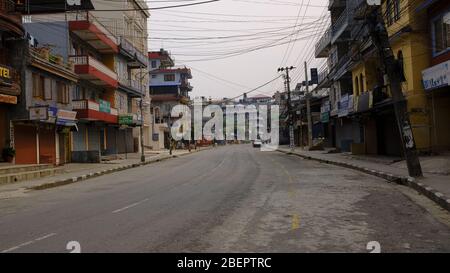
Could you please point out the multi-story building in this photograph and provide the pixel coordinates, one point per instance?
(127, 20)
(11, 34)
(407, 30)
(336, 74)
(369, 105)
(169, 86)
(111, 90)
(436, 77)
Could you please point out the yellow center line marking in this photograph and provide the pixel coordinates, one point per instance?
(295, 222)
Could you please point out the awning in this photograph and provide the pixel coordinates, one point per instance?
(425, 5)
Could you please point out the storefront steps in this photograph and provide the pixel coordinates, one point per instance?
(17, 173)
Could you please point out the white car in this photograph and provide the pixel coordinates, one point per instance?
(257, 143)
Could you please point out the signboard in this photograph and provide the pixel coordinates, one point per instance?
(351, 105)
(325, 112)
(343, 106)
(126, 120)
(8, 99)
(39, 113)
(314, 76)
(436, 76)
(105, 106)
(66, 115)
(66, 118)
(325, 117)
(363, 103)
(5, 74)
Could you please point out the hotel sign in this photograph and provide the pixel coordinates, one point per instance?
(8, 99)
(436, 76)
(5, 74)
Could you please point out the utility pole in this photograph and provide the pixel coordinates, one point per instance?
(141, 106)
(308, 109)
(380, 39)
(290, 119)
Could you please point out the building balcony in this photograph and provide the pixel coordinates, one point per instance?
(136, 58)
(10, 20)
(186, 85)
(133, 87)
(92, 111)
(42, 58)
(88, 68)
(89, 29)
(332, 4)
(322, 47)
(341, 26)
(9, 81)
(361, 9)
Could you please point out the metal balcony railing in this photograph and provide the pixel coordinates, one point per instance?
(323, 43)
(91, 105)
(85, 105)
(133, 51)
(89, 17)
(88, 60)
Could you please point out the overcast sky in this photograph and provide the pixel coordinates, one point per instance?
(201, 36)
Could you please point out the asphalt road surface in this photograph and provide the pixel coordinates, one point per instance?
(228, 199)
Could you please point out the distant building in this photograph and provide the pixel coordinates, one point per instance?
(169, 86)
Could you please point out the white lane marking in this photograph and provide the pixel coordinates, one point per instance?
(29, 243)
(131, 206)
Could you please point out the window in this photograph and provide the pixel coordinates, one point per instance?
(153, 64)
(357, 86)
(38, 86)
(392, 11)
(169, 78)
(63, 94)
(48, 89)
(441, 34)
(154, 76)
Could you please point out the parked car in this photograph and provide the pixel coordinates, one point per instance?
(257, 143)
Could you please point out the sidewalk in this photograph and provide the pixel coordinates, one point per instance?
(76, 172)
(435, 184)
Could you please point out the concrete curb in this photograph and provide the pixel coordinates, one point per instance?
(84, 177)
(429, 192)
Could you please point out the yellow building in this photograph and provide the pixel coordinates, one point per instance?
(407, 29)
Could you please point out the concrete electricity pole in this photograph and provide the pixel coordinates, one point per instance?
(290, 117)
(308, 108)
(380, 39)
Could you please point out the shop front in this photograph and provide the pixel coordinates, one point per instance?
(9, 90)
(436, 84)
(44, 138)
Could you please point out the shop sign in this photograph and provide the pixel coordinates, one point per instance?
(364, 102)
(126, 120)
(8, 99)
(5, 74)
(66, 118)
(351, 106)
(105, 106)
(66, 115)
(436, 76)
(343, 106)
(325, 117)
(39, 113)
